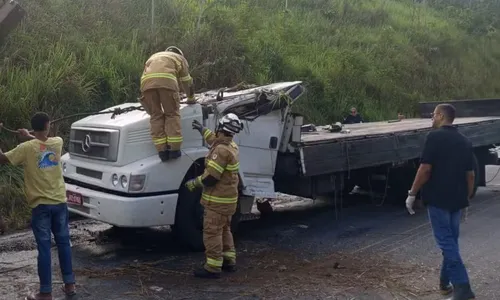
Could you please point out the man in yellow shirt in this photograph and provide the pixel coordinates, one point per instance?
(46, 195)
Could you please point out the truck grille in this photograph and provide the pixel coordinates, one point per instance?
(94, 143)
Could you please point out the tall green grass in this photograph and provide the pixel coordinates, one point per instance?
(382, 56)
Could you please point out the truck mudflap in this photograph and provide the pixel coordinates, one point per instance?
(11, 14)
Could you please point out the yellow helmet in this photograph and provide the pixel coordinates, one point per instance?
(175, 50)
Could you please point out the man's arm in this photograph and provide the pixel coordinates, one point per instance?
(471, 178)
(469, 168)
(216, 165)
(15, 156)
(208, 135)
(3, 159)
(25, 135)
(186, 79)
(424, 170)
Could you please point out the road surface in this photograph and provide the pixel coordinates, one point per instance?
(368, 251)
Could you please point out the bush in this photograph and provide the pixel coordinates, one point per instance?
(382, 56)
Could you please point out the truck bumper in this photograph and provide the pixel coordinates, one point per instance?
(124, 211)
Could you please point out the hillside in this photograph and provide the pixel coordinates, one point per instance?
(382, 56)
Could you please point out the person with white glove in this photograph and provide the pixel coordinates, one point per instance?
(410, 201)
(446, 177)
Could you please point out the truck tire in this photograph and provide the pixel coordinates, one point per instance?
(188, 226)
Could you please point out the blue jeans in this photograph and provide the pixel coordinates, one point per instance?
(446, 228)
(44, 220)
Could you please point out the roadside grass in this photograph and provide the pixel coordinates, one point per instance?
(13, 208)
(382, 56)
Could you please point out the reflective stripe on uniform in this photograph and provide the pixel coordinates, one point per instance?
(233, 167)
(220, 169)
(186, 78)
(174, 139)
(214, 262)
(159, 141)
(215, 199)
(215, 166)
(229, 254)
(157, 75)
(207, 133)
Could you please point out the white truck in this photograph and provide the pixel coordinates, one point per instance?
(113, 173)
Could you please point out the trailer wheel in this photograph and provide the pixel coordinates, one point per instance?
(188, 226)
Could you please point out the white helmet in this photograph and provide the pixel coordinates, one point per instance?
(175, 50)
(230, 123)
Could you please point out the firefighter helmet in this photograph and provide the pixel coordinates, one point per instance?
(230, 123)
(175, 50)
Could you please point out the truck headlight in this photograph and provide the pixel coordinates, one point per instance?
(64, 167)
(124, 181)
(137, 183)
(114, 179)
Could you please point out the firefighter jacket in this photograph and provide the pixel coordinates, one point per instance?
(222, 163)
(166, 70)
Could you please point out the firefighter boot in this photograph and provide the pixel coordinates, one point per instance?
(228, 267)
(164, 155)
(173, 154)
(203, 273)
(462, 292)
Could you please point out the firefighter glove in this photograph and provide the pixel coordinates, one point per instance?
(197, 126)
(191, 185)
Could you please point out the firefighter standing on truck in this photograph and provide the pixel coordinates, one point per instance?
(220, 195)
(165, 74)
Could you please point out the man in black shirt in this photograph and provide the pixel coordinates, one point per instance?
(353, 118)
(446, 176)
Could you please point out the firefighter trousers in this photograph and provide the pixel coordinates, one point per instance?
(218, 241)
(162, 105)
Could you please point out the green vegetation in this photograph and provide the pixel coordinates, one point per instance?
(382, 56)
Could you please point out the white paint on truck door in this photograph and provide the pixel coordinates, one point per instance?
(259, 144)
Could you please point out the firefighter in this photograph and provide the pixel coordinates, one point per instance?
(165, 74)
(220, 195)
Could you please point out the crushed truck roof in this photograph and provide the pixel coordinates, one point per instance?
(249, 103)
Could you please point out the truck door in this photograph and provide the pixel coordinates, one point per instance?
(259, 142)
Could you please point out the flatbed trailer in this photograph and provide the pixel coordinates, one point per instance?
(325, 161)
(371, 144)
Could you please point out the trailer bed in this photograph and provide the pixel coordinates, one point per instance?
(379, 143)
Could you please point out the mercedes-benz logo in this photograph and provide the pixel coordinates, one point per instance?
(87, 143)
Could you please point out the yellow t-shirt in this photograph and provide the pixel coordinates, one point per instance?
(43, 179)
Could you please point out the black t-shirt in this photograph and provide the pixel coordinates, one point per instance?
(350, 119)
(451, 155)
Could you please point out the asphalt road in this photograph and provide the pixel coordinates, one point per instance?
(367, 251)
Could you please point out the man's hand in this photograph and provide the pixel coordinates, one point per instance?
(410, 201)
(197, 126)
(191, 185)
(464, 215)
(24, 132)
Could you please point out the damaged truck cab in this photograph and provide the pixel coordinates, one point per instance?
(113, 173)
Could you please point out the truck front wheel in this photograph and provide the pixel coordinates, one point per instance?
(188, 226)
